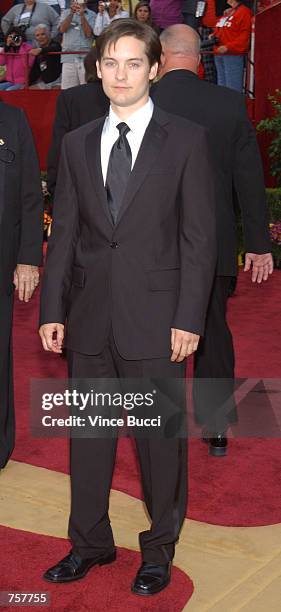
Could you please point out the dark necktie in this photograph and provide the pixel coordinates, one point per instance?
(118, 171)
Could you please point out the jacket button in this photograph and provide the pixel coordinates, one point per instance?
(114, 245)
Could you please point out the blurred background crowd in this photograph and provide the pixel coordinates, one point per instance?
(43, 43)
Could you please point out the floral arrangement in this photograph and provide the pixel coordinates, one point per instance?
(275, 237)
(275, 232)
(272, 125)
(47, 207)
(47, 223)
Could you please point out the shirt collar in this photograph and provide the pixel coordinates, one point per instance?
(180, 70)
(137, 121)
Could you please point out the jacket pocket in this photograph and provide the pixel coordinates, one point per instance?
(166, 279)
(78, 276)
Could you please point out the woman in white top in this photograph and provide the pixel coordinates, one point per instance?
(106, 15)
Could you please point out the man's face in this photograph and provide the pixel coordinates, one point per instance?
(42, 37)
(125, 73)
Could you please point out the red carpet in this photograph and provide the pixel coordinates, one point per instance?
(254, 317)
(27, 556)
(242, 489)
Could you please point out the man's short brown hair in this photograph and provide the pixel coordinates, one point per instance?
(130, 27)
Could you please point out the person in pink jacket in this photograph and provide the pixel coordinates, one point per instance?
(17, 56)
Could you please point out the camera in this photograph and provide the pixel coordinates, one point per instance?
(16, 38)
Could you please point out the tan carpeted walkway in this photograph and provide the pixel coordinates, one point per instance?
(232, 568)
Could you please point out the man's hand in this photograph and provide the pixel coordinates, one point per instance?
(222, 49)
(262, 266)
(52, 335)
(183, 344)
(36, 51)
(26, 279)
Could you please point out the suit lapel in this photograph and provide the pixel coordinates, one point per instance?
(93, 156)
(151, 146)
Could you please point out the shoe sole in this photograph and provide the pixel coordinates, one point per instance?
(213, 450)
(105, 561)
(217, 452)
(136, 592)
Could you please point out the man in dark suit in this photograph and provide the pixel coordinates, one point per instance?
(21, 236)
(236, 156)
(130, 266)
(75, 107)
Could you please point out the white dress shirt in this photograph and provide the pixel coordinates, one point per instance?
(137, 122)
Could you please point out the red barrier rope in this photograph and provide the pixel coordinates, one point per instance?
(26, 55)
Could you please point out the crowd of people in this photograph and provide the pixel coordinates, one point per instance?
(44, 42)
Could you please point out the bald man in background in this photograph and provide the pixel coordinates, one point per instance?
(238, 164)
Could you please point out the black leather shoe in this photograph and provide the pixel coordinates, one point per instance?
(151, 578)
(217, 443)
(72, 567)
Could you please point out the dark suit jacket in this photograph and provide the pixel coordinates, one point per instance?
(21, 203)
(235, 153)
(154, 269)
(75, 107)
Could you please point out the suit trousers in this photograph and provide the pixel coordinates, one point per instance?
(163, 466)
(213, 384)
(7, 418)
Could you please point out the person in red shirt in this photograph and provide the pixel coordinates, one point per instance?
(232, 35)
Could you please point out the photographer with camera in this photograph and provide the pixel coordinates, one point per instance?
(28, 15)
(16, 56)
(108, 12)
(77, 24)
